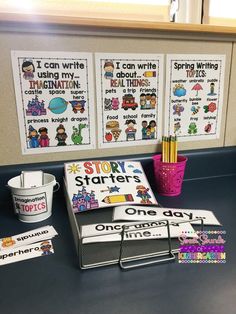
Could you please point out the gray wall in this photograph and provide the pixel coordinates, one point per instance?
(97, 41)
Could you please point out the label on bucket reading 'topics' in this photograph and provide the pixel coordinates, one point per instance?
(30, 205)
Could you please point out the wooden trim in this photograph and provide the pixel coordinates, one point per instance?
(222, 21)
(116, 24)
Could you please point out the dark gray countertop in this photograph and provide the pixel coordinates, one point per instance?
(55, 284)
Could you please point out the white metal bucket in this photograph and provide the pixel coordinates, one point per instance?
(33, 204)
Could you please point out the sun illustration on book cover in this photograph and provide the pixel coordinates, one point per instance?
(74, 168)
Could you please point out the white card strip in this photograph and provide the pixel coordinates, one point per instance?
(26, 252)
(136, 213)
(39, 234)
(109, 232)
(32, 178)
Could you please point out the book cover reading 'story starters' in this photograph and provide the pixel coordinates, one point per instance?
(96, 184)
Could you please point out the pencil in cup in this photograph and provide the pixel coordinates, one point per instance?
(165, 149)
(169, 176)
(173, 149)
(169, 149)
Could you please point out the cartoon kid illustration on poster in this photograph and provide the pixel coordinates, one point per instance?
(148, 130)
(33, 137)
(43, 138)
(108, 68)
(144, 129)
(152, 125)
(61, 135)
(28, 69)
(130, 130)
(148, 101)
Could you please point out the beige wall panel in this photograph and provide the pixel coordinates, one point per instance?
(230, 132)
(9, 132)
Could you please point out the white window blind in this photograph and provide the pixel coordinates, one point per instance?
(140, 10)
(220, 12)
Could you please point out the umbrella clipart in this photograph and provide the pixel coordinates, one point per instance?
(197, 87)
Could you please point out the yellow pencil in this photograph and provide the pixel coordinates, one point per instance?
(163, 148)
(165, 145)
(171, 149)
(175, 149)
(167, 149)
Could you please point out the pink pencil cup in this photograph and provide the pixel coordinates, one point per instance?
(169, 176)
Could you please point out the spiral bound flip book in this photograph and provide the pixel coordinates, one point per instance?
(97, 184)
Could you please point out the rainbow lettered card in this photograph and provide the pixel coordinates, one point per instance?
(95, 184)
